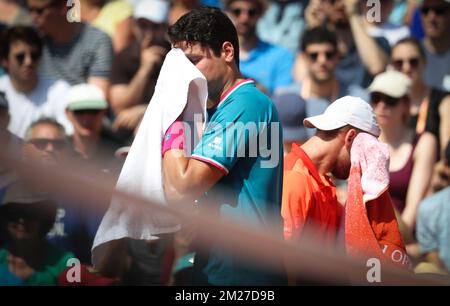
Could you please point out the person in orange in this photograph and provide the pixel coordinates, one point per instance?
(309, 199)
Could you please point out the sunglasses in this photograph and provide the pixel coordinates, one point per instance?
(251, 12)
(438, 10)
(42, 143)
(376, 98)
(87, 111)
(413, 62)
(315, 55)
(20, 57)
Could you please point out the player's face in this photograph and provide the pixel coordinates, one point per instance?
(213, 67)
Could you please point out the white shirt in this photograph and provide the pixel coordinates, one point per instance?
(46, 100)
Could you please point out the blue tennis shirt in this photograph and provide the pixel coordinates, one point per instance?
(243, 138)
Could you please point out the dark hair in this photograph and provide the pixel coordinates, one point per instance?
(13, 34)
(208, 26)
(318, 35)
(412, 41)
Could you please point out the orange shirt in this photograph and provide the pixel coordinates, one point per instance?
(309, 199)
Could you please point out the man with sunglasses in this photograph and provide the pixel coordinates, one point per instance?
(73, 228)
(30, 96)
(270, 65)
(362, 56)
(86, 108)
(45, 142)
(321, 86)
(436, 24)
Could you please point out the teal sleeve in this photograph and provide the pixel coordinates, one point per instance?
(226, 139)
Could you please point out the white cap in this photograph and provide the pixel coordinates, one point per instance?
(156, 11)
(347, 110)
(85, 97)
(392, 83)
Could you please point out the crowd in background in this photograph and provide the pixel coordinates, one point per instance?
(75, 82)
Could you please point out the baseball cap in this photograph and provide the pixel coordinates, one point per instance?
(291, 112)
(156, 11)
(347, 110)
(392, 83)
(85, 97)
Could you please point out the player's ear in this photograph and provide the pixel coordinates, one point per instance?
(349, 137)
(228, 51)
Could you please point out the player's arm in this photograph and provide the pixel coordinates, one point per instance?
(187, 178)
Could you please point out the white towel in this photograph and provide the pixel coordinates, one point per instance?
(180, 86)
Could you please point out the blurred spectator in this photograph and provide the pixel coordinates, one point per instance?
(180, 7)
(291, 111)
(86, 109)
(30, 96)
(74, 228)
(433, 222)
(45, 142)
(438, 119)
(412, 155)
(383, 27)
(283, 23)
(408, 57)
(320, 87)
(270, 65)
(112, 17)
(73, 51)
(436, 22)
(28, 259)
(362, 56)
(12, 13)
(136, 69)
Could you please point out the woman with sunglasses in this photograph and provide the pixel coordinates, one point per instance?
(412, 155)
(408, 57)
